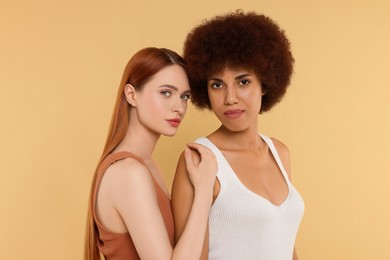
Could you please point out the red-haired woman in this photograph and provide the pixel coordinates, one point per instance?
(240, 65)
(129, 215)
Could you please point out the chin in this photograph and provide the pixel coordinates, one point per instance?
(169, 133)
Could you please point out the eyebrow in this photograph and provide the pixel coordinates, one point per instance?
(186, 92)
(238, 77)
(169, 86)
(174, 88)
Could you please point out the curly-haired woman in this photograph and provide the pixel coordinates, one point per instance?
(240, 65)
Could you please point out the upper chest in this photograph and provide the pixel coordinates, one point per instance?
(259, 167)
(257, 172)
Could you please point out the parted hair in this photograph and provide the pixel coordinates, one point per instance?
(239, 40)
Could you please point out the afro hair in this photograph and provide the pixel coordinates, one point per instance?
(239, 40)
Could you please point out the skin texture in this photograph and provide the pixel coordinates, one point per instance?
(119, 207)
(235, 96)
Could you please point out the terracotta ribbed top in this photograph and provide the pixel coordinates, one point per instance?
(119, 246)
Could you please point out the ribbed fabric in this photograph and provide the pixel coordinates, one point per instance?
(244, 225)
(119, 246)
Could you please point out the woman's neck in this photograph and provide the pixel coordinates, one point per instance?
(225, 139)
(140, 141)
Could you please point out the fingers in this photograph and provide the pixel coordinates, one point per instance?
(203, 157)
(201, 165)
(202, 150)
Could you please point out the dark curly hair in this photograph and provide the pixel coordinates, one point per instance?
(239, 40)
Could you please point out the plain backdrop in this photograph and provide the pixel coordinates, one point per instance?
(60, 66)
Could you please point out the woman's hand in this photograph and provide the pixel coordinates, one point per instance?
(201, 165)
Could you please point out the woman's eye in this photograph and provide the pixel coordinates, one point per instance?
(166, 93)
(244, 82)
(216, 85)
(186, 97)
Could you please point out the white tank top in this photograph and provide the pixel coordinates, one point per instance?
(244, 225)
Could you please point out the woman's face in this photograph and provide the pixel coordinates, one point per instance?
(162, 102)
(235, 97)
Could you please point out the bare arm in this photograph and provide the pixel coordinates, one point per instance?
(183, 194)
(193, 231)
(142, 216)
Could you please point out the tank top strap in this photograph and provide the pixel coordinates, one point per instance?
(225, 174)
(114, 157)
(275, 154)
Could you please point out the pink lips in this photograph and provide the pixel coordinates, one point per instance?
(175, 122)
(233, 114)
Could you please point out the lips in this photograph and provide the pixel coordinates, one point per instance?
(175, 122)
(233, 114)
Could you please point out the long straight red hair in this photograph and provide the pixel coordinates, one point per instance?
(140, 68)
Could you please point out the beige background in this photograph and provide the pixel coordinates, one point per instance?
(60, 65)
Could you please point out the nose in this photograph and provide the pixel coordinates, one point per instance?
(231, 95)
(179, 107)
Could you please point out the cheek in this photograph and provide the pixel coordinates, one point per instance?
(151, 107)
(156, 102)
(252, 93)
(215, 99)
(214, 104)
(252, 97)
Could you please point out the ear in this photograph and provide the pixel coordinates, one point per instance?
(130, 94)
(263, 91)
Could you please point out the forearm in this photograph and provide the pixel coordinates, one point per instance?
(191, 241)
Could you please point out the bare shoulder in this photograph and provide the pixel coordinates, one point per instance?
(127, 168)
(195, 156)
(181, 174)
(284, 154)
(123, 183)
(126, 174)
(181, 165)
(133, 202)
(282, 149)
